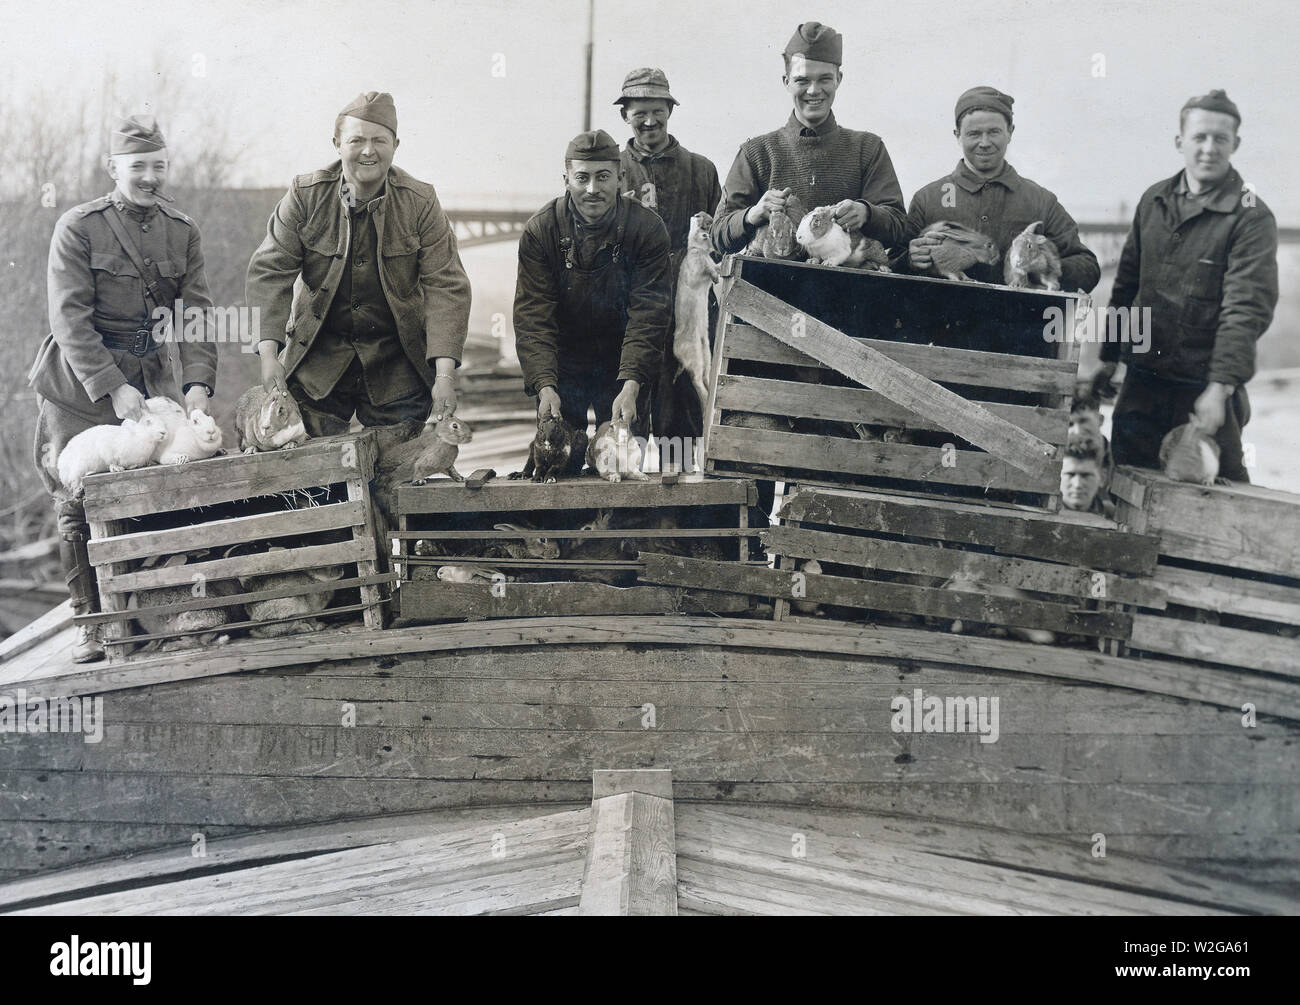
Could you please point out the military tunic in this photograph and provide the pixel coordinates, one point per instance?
(93, 287)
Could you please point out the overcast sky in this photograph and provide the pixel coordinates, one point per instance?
(279, 71)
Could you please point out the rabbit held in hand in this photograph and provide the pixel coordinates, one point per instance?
(959, 249)
(1032, 260)
(441, 449)
(828, 243)
(268, 420)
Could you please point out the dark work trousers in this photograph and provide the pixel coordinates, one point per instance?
(587, 383)
(332, 414)
(1149, 406)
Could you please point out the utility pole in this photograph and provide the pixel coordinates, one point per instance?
(591, 45)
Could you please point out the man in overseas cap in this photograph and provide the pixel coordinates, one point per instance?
(1202, 256)
(986, 194)
(667, 178)
(811, 156)
(379, 328)
(591, 299)
(117, 266)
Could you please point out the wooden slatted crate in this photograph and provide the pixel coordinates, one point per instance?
(1229, 568)
(589, 567)
(955, 386)
(311, 503)
(892, 555)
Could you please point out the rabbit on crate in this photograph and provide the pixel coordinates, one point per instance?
(828, 243)
(1033, 261)
(268, 420)
(557, 451)
(211, 619)
(110, 448)
(775, 237)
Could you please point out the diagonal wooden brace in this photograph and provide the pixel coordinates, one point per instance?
(895, 381)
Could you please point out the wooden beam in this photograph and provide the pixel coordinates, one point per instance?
(631, 846)
(899, 383)
(48, 624)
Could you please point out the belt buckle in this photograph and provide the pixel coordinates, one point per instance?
(141, 345)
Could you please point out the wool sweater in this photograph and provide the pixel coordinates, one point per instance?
(823, 166)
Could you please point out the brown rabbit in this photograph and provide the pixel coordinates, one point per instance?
(776, 237)
(1032, 260)
(439, 454)
(960, 249)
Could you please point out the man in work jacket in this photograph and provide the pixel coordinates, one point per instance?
(382, 323)
(666, 177)
(114, 263)
(592, 295)
(986, 194)
(1202, 256)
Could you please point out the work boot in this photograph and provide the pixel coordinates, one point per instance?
(80, 577)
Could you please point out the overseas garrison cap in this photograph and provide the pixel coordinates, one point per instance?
(814, 40)
(136, 134)
(647, 82)
(984, 97)
(373, 106)
(1216, 101)
(595, 145)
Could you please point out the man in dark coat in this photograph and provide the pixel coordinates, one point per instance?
(379, 328)
(986, 194)
(666, 177)
(1202, 256)
(103, 356)
(592, 296)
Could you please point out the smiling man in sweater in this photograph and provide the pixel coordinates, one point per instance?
(811, 156)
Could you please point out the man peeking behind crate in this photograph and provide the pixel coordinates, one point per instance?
(117, 265)
(1202, 259)
(381, 327)
(988, 195)
(592, 297)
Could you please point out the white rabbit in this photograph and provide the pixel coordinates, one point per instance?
(110, 448)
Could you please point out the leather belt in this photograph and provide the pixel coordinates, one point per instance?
(140, 343)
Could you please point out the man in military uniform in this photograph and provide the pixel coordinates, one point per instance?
(591, 300)
(811, 156)
(1202, 255)
(379, 328)
(112, 262)
(666, 177)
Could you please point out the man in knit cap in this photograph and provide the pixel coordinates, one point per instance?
(379, 328)
(592, 296)
(1202, 255)
(986, 194)
(667, 178)
(113, 263)
(811, 157)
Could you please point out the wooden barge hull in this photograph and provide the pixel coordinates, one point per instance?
(1149, 761)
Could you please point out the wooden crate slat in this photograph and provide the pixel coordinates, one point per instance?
(1238, 526)
(1060, 537)
(877, 596)
(942, 563)
(424, 599)
(1216, 644)
(874, 369)
(906, 462)
(1228, 594)
(260, 527)
(938, 363)
(236, 626)
(239, 598)
(500, 495)
(288, 560)
(564, 535)
(164, 488)
(854, 404)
